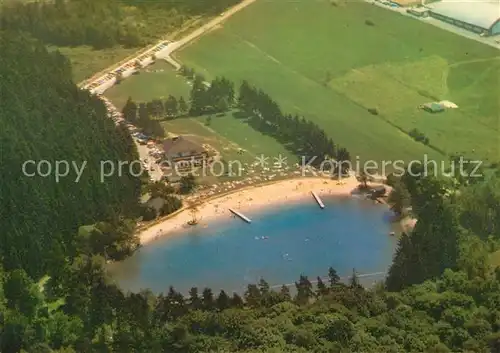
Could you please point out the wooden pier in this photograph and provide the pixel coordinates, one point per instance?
(242, 216)
(318, 200)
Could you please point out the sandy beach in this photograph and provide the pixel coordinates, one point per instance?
(257, 196)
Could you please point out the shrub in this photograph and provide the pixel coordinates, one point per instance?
(148, 214)
(418, 136)
(369, 23)
(373, 111)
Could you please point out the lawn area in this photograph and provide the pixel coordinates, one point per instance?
(156, 81)
(325, 63)
(85, 61)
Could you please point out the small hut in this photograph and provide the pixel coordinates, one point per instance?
(433, 107)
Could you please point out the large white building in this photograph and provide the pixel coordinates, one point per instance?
(480, 16)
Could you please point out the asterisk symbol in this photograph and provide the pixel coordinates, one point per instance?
(262, 160)
(280, 161)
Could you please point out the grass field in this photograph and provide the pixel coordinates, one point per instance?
(324, 62)
(221, 134)
(156, 81)
(225, 133)
(228, 134)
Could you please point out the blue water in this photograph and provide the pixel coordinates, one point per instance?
(302, 239)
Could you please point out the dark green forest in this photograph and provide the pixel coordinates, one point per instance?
(300, 136)
(102, 23)
(45, 117)
(442, 293)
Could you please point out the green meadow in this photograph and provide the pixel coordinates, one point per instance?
(232, 137)
(156, 81)
(325, 62)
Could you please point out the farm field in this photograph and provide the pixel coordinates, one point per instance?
(333, 63)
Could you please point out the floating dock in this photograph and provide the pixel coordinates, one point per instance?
(242, 216)
(318, 200)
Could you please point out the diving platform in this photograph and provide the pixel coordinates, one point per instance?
(318, 200)
(241, 215)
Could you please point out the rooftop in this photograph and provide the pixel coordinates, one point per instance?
(182, 145)
(475, 12)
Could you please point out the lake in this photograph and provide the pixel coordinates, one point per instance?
(282, 242)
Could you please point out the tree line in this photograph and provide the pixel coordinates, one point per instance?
(101, 24)
(449, 314)
(303, 137)
(458, 225)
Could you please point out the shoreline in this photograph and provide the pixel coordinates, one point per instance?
(247, 199)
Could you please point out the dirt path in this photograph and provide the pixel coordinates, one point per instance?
(473, 61)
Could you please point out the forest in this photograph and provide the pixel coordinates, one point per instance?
(442, 293)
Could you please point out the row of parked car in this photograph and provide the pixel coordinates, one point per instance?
(113, 112)
(127, 66)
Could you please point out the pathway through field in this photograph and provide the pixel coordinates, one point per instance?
(481, 60)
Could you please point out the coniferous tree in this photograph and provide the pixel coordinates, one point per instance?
(194, 298)
(402, 268)
(354, 280)
(433, 244)
(198, 96)
(399, 198)
(208, 299)
(223, 301)
(158, 109)
(264, 287)
(183, 107)
(333, 277)
(143, 115)
(130, 111)
(304, 290)
(236, 301)
(285, 293)
(171, 106)
(321, 288)
(253, 296)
